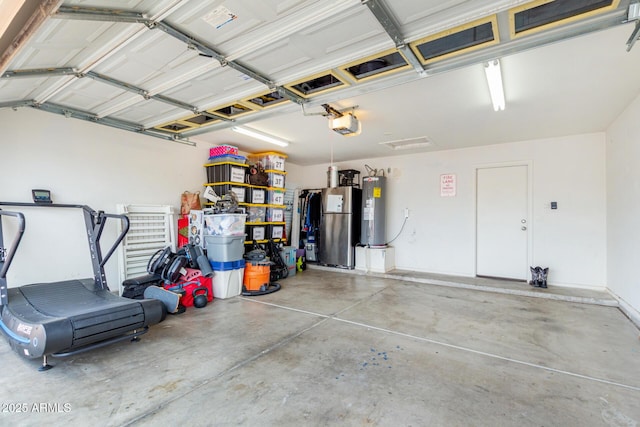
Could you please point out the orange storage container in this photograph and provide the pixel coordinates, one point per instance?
(256, 275)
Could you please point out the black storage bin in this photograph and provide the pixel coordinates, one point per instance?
(226, 172)
(239, 189)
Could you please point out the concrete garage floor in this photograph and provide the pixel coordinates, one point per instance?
(347, 349)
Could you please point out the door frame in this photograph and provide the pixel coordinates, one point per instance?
(529, 165)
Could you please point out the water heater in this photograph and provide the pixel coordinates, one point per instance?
(373, 230)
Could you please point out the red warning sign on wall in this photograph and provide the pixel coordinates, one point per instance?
(447, 185)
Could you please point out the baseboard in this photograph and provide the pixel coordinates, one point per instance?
(585, 287)
(627, 309)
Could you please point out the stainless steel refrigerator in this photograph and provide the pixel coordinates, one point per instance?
(339, 226)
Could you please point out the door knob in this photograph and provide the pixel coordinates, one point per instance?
(524, 221)
(523, 228)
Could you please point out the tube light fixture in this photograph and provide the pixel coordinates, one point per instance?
(494, 79)
(260, 135)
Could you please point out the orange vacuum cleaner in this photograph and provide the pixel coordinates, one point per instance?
(259, 274)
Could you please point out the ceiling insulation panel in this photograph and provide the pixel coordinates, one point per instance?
(310, 50)
(151, 8)
(89, 95)
(69, 43)
(151, 60)
(219, 22)
(15, 89)
(406, 12)
(221, 85)
(149, 112)
(256, 25)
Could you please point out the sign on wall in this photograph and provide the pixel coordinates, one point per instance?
(447, 185)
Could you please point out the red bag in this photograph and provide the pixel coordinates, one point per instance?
(198, 286)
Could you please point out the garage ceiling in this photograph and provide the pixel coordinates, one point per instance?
(190, 70)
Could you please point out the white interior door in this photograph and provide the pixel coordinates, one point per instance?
(502, 222)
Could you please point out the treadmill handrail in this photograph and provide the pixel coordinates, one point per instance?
(45, 205)
(16, 240)
(94, 224)
(125, 229)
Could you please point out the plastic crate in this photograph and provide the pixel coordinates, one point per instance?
(275, 196)
(276, 179)
(224, 248)
(275, 231)
(228, 158)
(227, 280)
(269, 160)
(224, 188)
(226, 172)
(224, 224)
(256, 232)
(275, 214)
(256, 213)
(228, 283)
(256, 195)
(226, 266)
(223, 149)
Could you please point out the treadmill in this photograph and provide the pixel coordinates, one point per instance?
(72, 316)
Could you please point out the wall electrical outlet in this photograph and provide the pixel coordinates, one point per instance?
(406, 212)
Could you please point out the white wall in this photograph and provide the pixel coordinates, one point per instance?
(101, 167)
(623, 207)
(439, 236)
(83, 163)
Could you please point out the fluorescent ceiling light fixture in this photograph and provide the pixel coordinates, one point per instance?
(260, 135)
(494, 79)
(409, 143)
